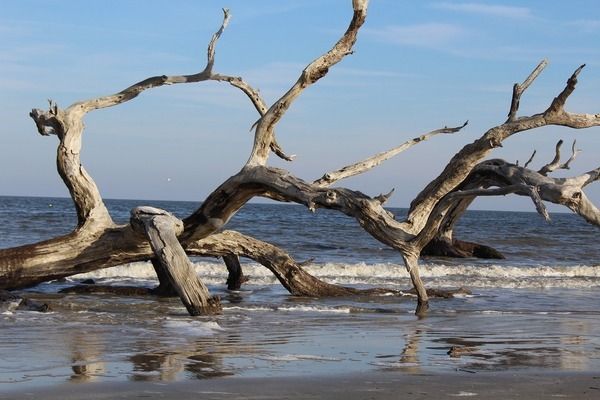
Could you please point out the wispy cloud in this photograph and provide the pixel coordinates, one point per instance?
(430, 35)
(17, 84)
(487, 9)
(585, 25)
(275, 8)
(372, 73)
(13, 29)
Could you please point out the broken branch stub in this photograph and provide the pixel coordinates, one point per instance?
(161, 228)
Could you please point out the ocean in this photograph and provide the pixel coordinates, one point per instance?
(537, 309)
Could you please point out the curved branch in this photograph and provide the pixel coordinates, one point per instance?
(258, 103)
(555, 163)
(574, 153)
(134, 90)
(564, 191)
(91, 211)
(587, 178)
(440, 210)
(289, 273)
(312, 73)
(68, 125)
(530, 159)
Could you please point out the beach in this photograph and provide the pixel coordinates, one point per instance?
(492, 386)
(304, 348)
(528, 327)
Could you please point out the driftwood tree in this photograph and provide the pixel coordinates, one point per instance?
(97, 242)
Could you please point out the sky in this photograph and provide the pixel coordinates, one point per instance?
(417, 66)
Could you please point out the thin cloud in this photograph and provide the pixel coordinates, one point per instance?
(585, 25)
(17, 84)
(430, 35)
(487, 9)
(373, 73)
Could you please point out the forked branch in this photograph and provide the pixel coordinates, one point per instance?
(518, 90)
(460, 166)
(555, 163)
(156, 81)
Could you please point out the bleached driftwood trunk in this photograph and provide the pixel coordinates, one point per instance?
(161, 228)
(97, 242)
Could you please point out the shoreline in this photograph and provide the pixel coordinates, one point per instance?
(369, 385)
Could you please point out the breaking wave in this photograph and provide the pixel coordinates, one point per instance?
(384, 274)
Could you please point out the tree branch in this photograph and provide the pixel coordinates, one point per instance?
(258, 103)
(156, 81)
(559, 101)
(289, 272)
(564, 191)
(530, 159)
(89, 205)
(312, 73)
(68, 126)
(161, 229)
(574, 153)
(371, 162)
(465, 160)
(518, 90)
(555, 163)
(439, 212)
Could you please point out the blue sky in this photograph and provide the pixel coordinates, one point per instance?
(418, 66)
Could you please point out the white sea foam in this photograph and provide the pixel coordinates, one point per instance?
(191, 327)
(502, 276)
(249, 308)
(298, 357)
(319, 309)
(301, 309)
(464, 394)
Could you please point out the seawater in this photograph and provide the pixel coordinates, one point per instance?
(538, 308)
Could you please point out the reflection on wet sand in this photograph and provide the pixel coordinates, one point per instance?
(166, 357)
(574, 358)
(410, 354)
(564, 348)
(168, 366)
(106, 339)
(87, 352)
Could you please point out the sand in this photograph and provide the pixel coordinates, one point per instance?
(384, 385)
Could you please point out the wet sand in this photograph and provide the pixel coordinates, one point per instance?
(385, 385)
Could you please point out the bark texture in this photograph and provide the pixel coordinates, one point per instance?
(97, 242)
